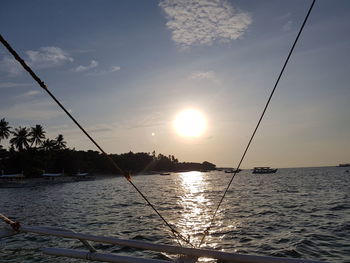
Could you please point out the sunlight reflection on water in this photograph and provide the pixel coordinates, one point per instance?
(197, 208)
(292, 213)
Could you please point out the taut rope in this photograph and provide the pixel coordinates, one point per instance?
(206, 232)
(127, 175)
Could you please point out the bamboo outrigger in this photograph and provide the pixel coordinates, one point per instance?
(186, 254)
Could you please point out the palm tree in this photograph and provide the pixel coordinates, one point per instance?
(37, 135)
(5, 129)
(48, 144)
(20, 139)
(60, 143)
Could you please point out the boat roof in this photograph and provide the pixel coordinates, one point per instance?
(12, 176)
(82, 174)
(52, 175)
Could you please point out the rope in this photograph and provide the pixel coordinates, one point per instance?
(206, 232)
(115, 165)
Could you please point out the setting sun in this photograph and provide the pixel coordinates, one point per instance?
(190, 123)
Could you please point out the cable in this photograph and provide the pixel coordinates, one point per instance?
(206, 232)
(115, 165)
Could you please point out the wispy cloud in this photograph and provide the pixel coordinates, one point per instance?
(287, 26)
(13, 85)
(105, 71)
(31, 93)
(47, 57)
(150, 120)
(200, 75)
(201, 22)
(35, 110)
(114, 69)
(81, 68)
(10, 66)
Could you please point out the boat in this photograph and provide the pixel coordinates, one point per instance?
(52, 174)
(230, 171)
(12, 181)
(164, 173)
(264, 170)
(83, 177)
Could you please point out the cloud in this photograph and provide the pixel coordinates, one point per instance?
(114, 69)
(34, 110)
(81, 68)
(31, 93)
(13, 85)
(200, 75)
(201, 22)
(10, 66)
(106, 71)
(287, 26)
(47, 57)
(150, 120)
(101, 128)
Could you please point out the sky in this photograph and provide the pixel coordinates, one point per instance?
(125, 69)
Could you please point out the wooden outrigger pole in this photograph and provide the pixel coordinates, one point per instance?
(92, 254)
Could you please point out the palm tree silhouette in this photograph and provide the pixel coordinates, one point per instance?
(5, 129)
(60, 142)
(20, 139)
(37, 135)
(48, 144)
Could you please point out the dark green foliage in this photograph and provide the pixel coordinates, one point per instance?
(5, 129)
(53, 156)
(20, 139)
(37, 135)
(33, 161)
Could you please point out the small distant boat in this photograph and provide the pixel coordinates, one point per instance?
(82, 174)
(264, 170)
(11, 176)
(83, 177)
(53, 177)
(52, 174)
(230, 171)
(164, 173)
(344, 165)
(12, 181)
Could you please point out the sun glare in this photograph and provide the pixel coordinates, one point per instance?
(190, 123)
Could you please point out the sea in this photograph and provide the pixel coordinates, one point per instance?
(296, 212)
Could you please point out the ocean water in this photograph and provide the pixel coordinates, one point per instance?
(299, 212)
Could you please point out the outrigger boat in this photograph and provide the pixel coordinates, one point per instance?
(233, 171)
(264, 170)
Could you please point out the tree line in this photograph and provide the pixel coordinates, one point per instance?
(31, 152)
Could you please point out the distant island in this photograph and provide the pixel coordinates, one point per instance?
(31, 153)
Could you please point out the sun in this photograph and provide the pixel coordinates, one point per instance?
(190, 123)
